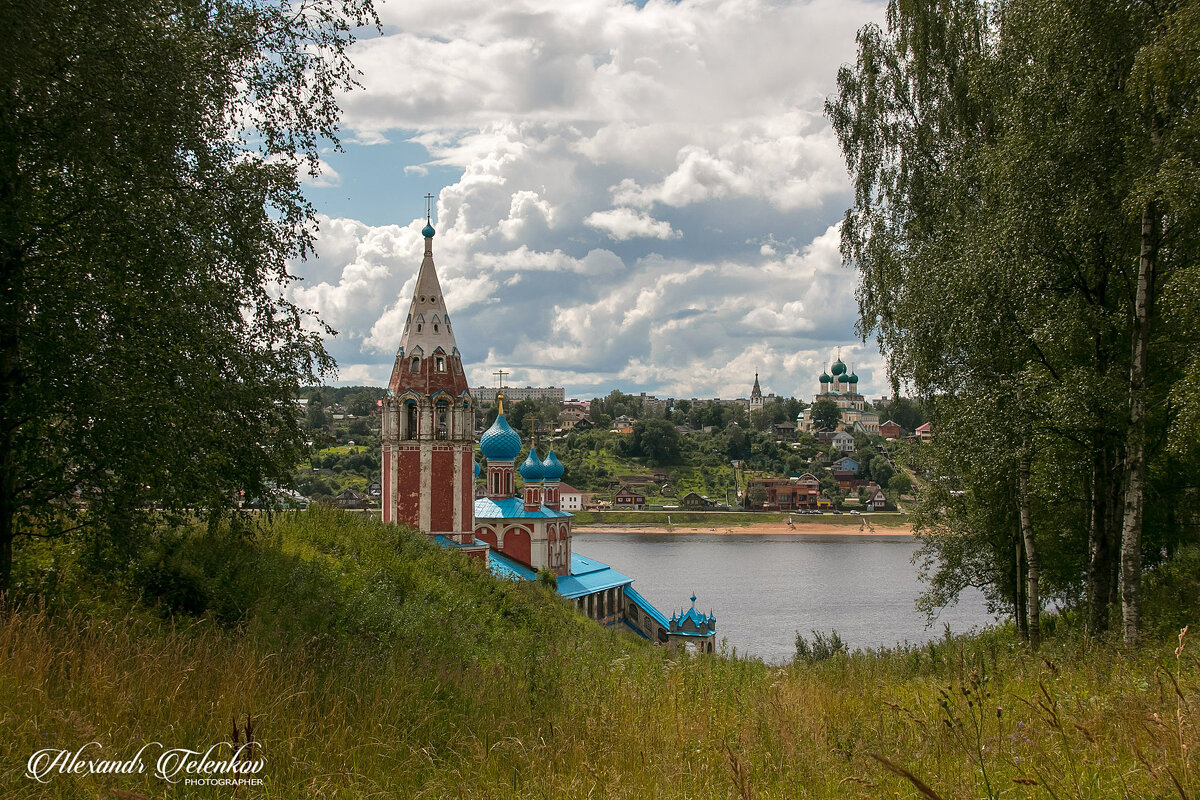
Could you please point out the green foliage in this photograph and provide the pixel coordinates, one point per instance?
(1172, 593)
(616, 404)
(657, 440)
(822, 647)
(903, 411)
(825, 414)
(881, 470)
(545, 577)
(900, 483)
(315, 413)
(149, 204)
(1019, 158)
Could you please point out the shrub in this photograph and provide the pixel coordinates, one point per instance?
(822, 647)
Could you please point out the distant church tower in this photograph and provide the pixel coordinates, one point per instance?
(428, 420)
(756, 397)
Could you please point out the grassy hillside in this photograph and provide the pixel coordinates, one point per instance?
(375, 665)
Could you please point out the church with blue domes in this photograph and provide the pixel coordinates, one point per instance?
(531, 529)
(430, 477)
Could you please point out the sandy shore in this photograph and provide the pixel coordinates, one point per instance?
(803, 528)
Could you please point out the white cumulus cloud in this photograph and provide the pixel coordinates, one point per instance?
(640, 197)
(625, 223)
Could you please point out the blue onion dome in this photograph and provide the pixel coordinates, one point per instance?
(552, 468)
(531, 469)
(500, 442)
(825, 378)
(838, 367)
(428, 230)
(477, 469)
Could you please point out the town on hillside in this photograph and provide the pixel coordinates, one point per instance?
(835, 452)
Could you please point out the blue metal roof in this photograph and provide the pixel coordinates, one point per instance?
(500, 442)
(552, 468)
(589, 576)
(704, 625)
(513, 508)
(531, 470)
(446, 541)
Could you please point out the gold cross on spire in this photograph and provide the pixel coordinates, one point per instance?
(500, 391)
(428, 206)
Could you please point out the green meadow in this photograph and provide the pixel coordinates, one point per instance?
(370, 663)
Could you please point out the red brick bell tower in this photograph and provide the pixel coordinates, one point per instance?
(428, 420)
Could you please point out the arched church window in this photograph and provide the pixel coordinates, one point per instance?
(439, 363)
(435, 330)
(443, 428)
(410, 420)
(418, 327)
(415, 366)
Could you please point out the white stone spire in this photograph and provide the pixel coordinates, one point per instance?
(428, 324)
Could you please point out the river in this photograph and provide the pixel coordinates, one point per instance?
(764, 588)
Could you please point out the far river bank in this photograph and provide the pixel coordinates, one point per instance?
(801, 526)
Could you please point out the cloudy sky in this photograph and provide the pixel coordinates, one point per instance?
(639, 196)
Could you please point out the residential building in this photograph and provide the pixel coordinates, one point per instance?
(875, 499)
(785, 431)
(628, 500)
(889, 430)
(515, 394)
(788, 494)
(570, 498)
(845, 464)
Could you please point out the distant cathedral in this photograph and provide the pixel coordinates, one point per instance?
(430, 475)
(841, 386)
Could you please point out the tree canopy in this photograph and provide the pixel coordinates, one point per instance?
(149, 203)
(1017, 212)
(825, 414)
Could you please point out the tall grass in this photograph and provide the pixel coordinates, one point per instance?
(375, 665)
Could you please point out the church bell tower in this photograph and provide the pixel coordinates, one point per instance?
(429, 420)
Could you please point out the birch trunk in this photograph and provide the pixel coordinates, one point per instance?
(1135, 448)
(1033, 600)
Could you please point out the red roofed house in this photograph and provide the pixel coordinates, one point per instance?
(629, 500)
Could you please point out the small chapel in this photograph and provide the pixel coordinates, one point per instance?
(430, 477)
